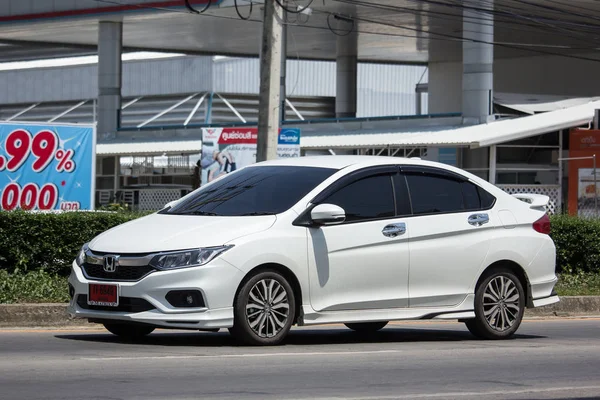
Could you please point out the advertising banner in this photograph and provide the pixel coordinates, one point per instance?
(584, 191)
(46, 167)
(226, 149)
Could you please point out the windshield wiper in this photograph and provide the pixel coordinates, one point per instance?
(210, 214)
(256, 213)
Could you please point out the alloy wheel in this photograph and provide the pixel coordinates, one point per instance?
(501, 303)
(268, 308)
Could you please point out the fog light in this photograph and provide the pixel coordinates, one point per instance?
(185, 298)
(71, 291)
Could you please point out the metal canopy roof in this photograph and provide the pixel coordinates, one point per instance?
(388, 30)
(534, 103)
(474, 136)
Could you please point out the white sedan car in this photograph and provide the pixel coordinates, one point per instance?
(333, 239)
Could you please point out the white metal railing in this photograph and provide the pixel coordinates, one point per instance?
(141, 199)
(105, 196)
(155, 199)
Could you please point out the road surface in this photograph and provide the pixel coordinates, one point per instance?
(549, 359)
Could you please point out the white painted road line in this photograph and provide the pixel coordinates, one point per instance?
(248, 355)
(447, 395)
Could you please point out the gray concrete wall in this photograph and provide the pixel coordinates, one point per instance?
(445, 87)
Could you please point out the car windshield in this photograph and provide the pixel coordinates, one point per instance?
(253, 191)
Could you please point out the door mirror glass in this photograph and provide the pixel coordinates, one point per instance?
(328, 214)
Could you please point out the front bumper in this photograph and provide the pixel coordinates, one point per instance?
(217, 281)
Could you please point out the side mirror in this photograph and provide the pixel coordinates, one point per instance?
(328, 214)
(170, 204)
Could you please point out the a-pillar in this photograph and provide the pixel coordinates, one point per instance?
(478, 78)
(346, 76)
(110, 45)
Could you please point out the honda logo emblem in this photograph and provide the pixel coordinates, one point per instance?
(111, 263)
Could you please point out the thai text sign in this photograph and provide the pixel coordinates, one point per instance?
(226, 149)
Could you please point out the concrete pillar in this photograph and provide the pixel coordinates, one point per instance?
(478, 62)
(444, 92)
(478, 79)
(110, 44)
(346, 76)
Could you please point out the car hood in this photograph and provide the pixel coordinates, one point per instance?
(164, 232)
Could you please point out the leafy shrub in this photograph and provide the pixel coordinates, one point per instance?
(579, 284)
(577, 243)
(115, 207)
(50, 241)
(33, 287)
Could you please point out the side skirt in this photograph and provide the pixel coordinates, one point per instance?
(464, 310)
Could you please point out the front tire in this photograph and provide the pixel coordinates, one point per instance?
(367, 327)
(499, 306)
(129, 332)
(264, 310)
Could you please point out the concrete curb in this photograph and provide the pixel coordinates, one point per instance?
(55, 315)
(568, 306)
(36, 315)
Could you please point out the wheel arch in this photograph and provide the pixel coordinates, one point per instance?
(287, 273)
(516, 269)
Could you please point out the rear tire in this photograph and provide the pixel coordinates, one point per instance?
(499, 306)
(367, 327)
(264, 310)
(129, 332)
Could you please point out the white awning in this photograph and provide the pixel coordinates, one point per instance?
(149, 148)
(465, 136)
(535, 103)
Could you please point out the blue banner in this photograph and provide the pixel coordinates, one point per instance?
(47, 167)
(289, 136)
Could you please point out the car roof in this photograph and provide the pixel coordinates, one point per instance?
(341, 161)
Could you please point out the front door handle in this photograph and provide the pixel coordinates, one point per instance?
(393, 230)
(478, 219)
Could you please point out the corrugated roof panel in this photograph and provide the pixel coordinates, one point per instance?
(236, 75)
(474, 136)
(386, 89)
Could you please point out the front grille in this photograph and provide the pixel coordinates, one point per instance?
(126, 304)
(123, 273)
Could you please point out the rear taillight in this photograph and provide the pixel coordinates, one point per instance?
(542, 225)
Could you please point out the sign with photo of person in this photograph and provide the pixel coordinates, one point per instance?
(226, 149)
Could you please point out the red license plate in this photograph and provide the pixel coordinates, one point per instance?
(103, 295)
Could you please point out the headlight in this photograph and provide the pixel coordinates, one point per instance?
(81, 256)
(187, 258)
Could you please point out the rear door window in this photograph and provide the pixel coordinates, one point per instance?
(431, 194)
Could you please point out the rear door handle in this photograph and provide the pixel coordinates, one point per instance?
(478, 219)
(393, 230)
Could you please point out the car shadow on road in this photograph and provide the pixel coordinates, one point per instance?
(304, 337)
